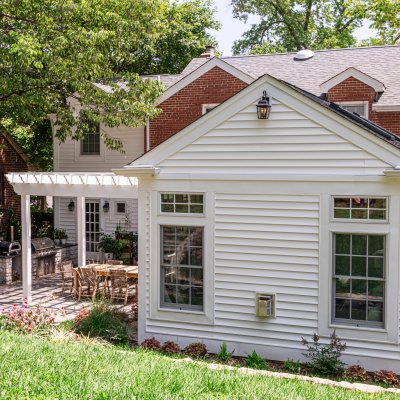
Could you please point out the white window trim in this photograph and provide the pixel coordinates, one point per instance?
(90, 157)
(357, 103)
(116, 207)
(390, 333)
(203, 214)
(172, 314)
(353, 220)
(205, 106)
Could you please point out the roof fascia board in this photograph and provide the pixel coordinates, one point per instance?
(355, 73)
(309, 108)
(386, 108)
(197, 73)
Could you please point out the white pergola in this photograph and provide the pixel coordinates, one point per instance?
(79, 185)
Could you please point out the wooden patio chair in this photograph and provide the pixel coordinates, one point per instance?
(67, 275)
(119, 285)
(88, 283)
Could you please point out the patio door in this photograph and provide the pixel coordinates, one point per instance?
(92, 213)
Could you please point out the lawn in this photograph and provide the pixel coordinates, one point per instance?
(35, 368)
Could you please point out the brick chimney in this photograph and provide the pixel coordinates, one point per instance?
(209, 52)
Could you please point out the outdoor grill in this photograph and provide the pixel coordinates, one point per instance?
(43, 250)
(9, 248)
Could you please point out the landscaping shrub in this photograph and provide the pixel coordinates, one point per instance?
(151, 344)
(325, 359)
(255, 361)
(106, 322)
(355, 373)
(196, 350)
(28, 319)
(170, 347)
(224, 354)
(292, 366)
(387, 377)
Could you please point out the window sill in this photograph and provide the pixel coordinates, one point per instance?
(175, 315)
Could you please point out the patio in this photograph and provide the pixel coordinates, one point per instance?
(46, 291)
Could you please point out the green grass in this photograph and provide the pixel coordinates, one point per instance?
(36, 368)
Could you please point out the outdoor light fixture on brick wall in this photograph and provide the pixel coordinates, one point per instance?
(263, 106)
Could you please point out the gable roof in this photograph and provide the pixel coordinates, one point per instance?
(381, 63)
(385, 143)
(17, 148)
(355, 73)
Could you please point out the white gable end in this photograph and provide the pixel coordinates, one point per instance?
(288, 143)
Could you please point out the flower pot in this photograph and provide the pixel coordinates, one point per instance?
(108, 256)
(63, 241)
(57, 242)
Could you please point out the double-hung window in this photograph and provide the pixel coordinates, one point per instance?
(90, 145)
(182, 266)
(359, 266)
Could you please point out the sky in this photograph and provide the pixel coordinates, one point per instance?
(232, 29)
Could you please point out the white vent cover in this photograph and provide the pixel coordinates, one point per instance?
(304, 54)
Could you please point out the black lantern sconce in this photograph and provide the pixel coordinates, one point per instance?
(106, 206)
(71, 206)
(264, 106)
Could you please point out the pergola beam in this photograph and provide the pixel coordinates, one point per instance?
(26, 247)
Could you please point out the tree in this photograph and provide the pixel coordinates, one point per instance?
(385, 17)
(292, 25)
(51, 50)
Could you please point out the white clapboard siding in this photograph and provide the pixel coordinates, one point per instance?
(67, 155)
(66, 219)
(287, 143)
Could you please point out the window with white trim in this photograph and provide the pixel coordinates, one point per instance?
(182, 203)
(359, 279)
(358, 108)
(206, 108)
(360, 208)
(120, 207)
(182, 267)
(90, 145)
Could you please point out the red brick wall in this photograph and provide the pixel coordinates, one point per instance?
(10, 161)
(352, 89)
(185, 107)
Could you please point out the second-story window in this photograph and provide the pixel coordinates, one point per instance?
(358, 108)
(90, 145)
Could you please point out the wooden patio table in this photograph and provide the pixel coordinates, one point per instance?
(104, 270)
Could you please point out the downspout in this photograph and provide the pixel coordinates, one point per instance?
(147, 135)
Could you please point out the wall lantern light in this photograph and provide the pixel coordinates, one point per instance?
(106, 206)
(263, 107)
(71, 205)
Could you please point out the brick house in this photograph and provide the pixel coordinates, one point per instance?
(12, 159)
(363, 80)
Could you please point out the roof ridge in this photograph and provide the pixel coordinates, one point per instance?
(315, 51)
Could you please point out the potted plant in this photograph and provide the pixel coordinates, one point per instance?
(63, 237)
(57, 236)
(108, 245)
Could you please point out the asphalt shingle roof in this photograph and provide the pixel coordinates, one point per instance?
(381, 63)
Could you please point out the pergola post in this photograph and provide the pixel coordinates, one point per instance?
(26, 247)
(81, 230)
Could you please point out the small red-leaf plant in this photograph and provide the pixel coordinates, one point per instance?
(355, 373)
(384, 376)
(170, 347)
(196, 350)
(151, 344)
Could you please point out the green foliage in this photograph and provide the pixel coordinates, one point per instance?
(255, 361)
(106, 322)
(36, 368)
(224, 354)
(292, 366)
(314, 24)
(55, 52)
(324, 359)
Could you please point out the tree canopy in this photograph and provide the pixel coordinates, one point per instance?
(292, 25)
(54, 49)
